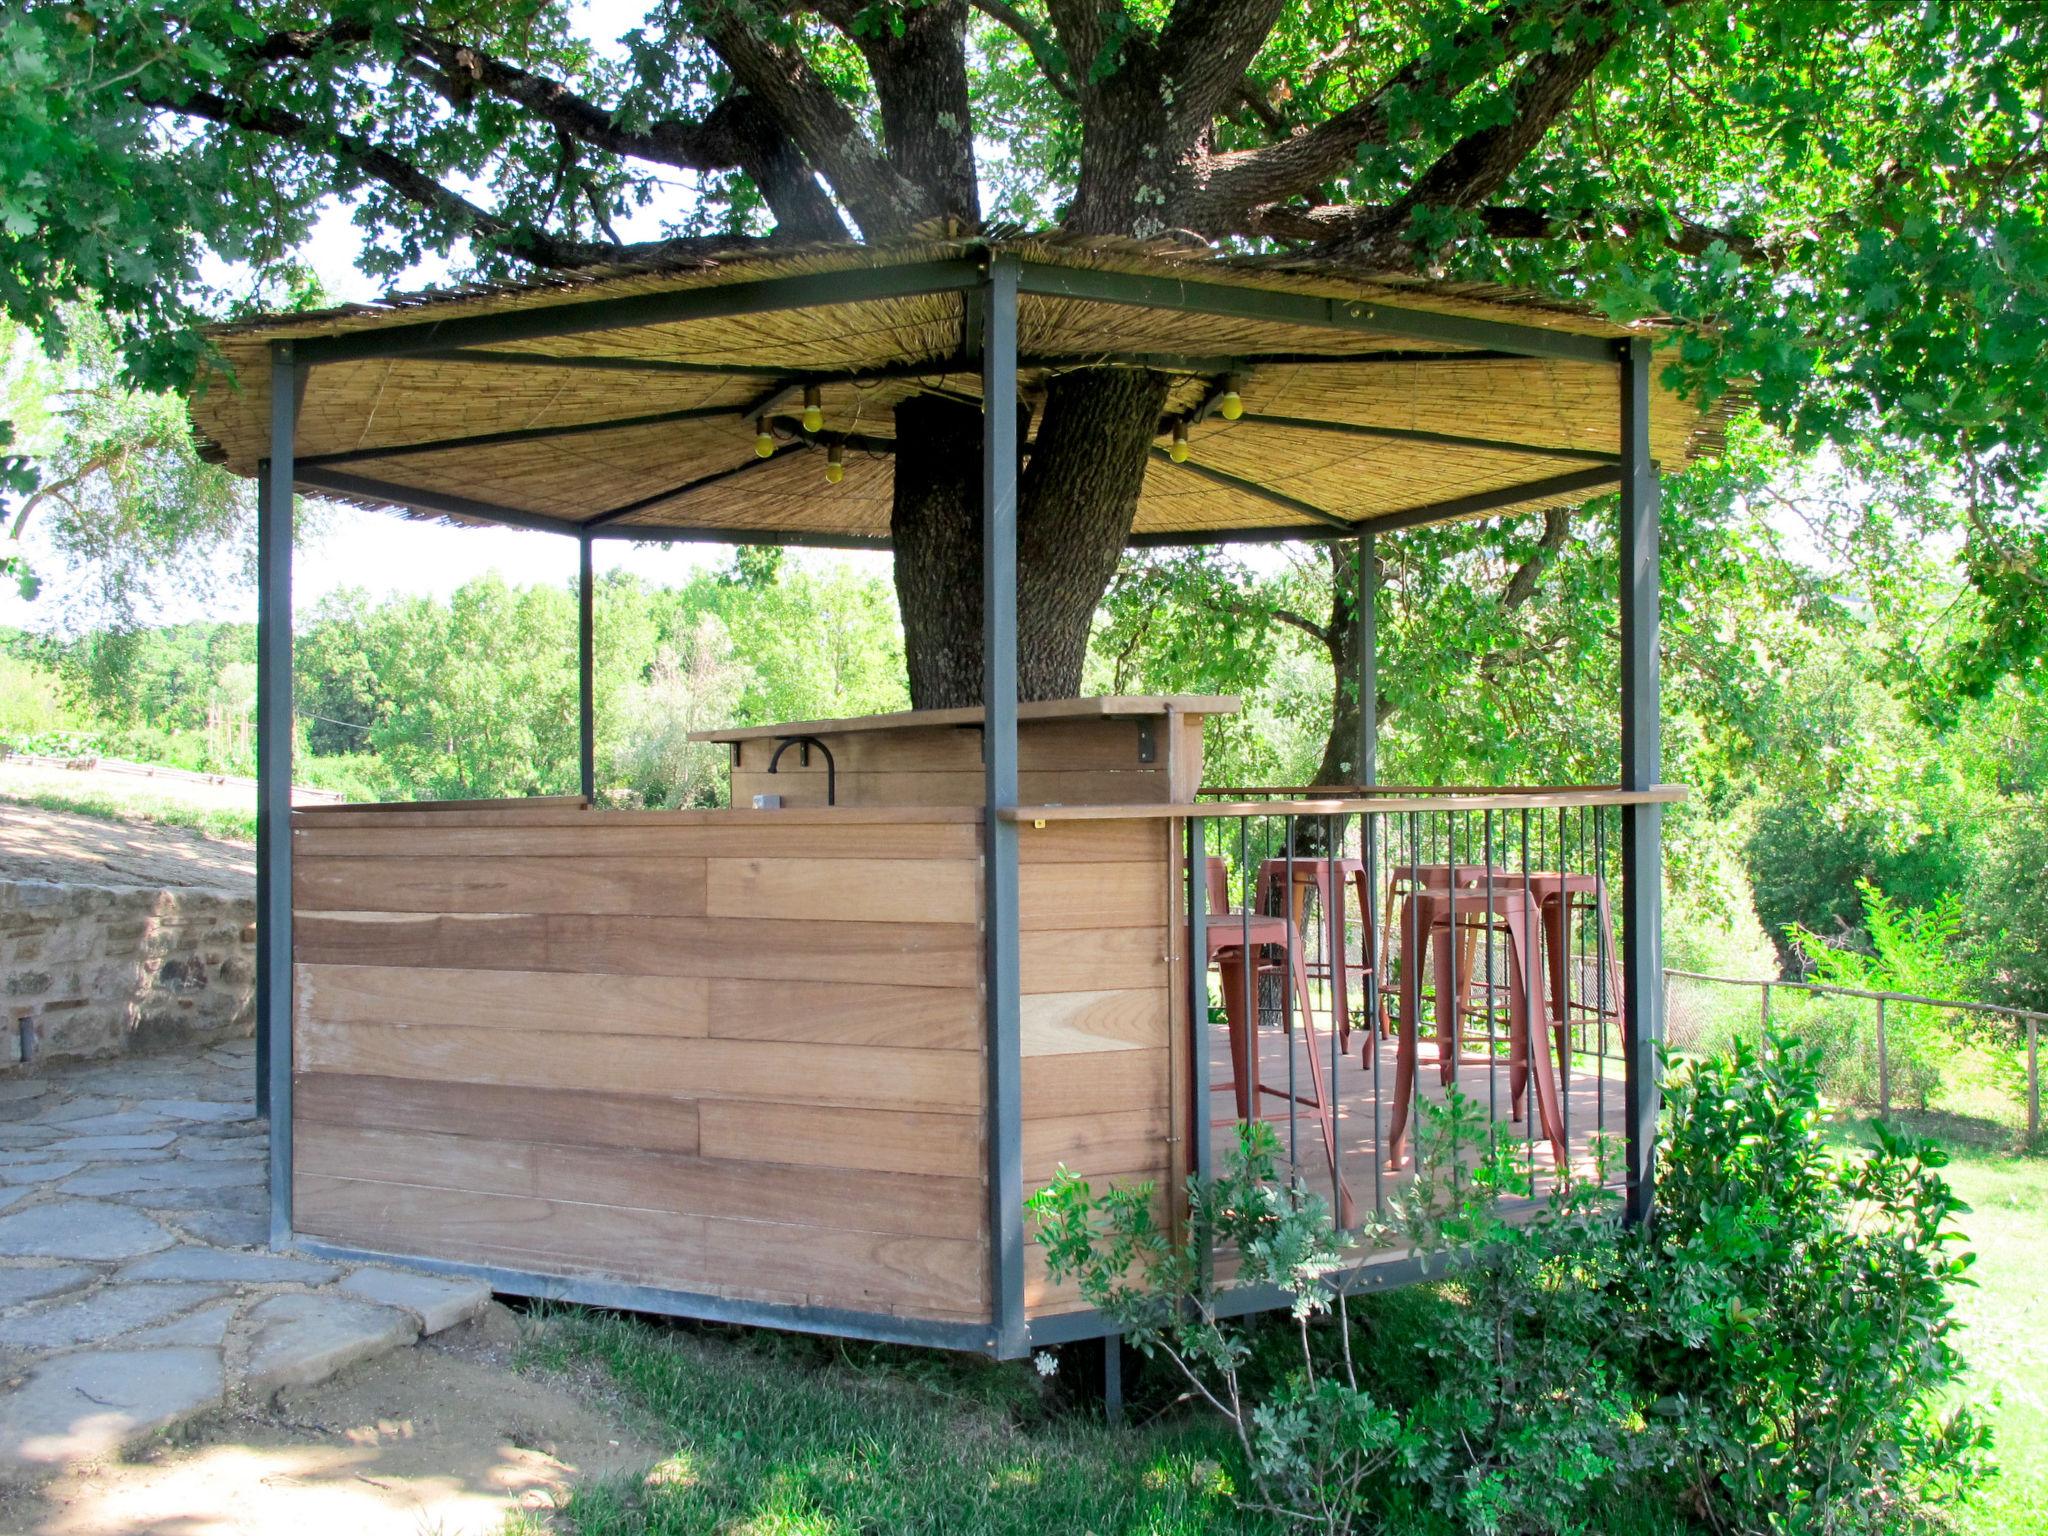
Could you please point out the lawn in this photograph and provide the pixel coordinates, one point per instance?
(2007, 1331)
(103, 805)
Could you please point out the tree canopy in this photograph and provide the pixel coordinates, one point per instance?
(1841, 200)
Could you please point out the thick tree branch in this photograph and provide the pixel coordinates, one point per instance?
(1557, 526)
(1204, 50)
(1045, 53)
(374, 162)
(738, 132)
(882, 202)
(918, 63)
(1335, 223)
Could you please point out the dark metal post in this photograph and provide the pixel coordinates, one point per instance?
(1113, 1378)
(999, 450)
(1368, 621)
(274, 781)
(586, 671)
(1642, 852)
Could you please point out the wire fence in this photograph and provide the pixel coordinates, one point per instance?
(1976, 1067)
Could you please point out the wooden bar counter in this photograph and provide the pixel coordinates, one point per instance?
(730, 1063)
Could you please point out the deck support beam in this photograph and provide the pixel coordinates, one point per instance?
(586, 669)
(1642, 854)
(999, 455)
(274, 782)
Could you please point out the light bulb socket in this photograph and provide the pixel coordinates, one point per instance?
(814, 408)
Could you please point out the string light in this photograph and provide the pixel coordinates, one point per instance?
(1228, 404)
(764, 440)
(1179, 451)
(835, 463)
(814, 408)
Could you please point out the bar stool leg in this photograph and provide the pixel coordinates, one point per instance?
(1231, 966)
(1408, 1043)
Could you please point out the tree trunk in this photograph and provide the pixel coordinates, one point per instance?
(1076, 499)
(1340, 753)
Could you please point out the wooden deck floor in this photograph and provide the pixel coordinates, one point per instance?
(1594, 1106)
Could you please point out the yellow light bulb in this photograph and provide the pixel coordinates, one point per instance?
(814, 409)
(1230, 407)
(764, 441)
(1178, 452)
(835, 464)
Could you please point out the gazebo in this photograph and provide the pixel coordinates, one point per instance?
(795, 1062)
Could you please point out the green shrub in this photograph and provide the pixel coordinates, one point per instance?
(1767, 1354)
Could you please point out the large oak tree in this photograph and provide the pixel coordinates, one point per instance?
(1841, 200)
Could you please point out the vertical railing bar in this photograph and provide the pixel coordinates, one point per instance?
(1248, 980)
(1201, 1054)
(1600, 960)
(1287, 1012)
(1333, 880)
(1372, 944)
(1564, 985)
(1492, 1033)
(1531, 1035)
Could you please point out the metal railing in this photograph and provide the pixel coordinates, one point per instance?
(1462, 936)
(2027, 1025)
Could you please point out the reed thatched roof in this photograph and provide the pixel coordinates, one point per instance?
(629, 418)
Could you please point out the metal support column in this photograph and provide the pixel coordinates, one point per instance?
(586, 671)
(274, 780)
(1642, 853)
(1367, 762)
(999, 451)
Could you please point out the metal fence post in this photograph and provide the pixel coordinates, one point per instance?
(1884, 1076)
(586, 670)
(1763, 1026)
(2033, 1078)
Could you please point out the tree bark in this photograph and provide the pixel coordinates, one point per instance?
(1077, 496)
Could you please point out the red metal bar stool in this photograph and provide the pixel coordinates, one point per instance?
(1437, 879)
(1561, 896)
(1444, 908)
(1329, 878)
(1238, 941)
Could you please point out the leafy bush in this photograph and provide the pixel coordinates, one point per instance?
(1767, 1354)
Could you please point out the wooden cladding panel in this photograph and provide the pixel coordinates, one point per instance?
(860, 1200)
(923, 954)
(1042, 746)
(743, 1059)
(806, 788)
(635, 1121)
(769, 1261)
(860, 1077)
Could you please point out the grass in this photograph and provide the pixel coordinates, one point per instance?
(781, 1436)
(2006, 1316)
(235, 826)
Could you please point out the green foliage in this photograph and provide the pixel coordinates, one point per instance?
(1770, 1353)
(1801, 1307)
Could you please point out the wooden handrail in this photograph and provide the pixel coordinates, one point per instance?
(1662, 794)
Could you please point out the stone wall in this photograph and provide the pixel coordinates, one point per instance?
(100, 970)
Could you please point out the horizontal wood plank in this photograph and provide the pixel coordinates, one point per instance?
(1093, 1082)
(895, 1141)
(920, 954)
(648, 884)
(861, 1077)
(884, 787)
(639, 1122)
(846, 890)
(1093, 959)
(744, 835)
(1066, 895)
(557, 1002)
(1056, 1023)
(1090, 1144)
(847, 1013)
(1093, 842)
(865, 1271)
(848, 1199)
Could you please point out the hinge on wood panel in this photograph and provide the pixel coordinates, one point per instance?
(1148, 743)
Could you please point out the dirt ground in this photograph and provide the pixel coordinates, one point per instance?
(445, 1439)
(84, 850)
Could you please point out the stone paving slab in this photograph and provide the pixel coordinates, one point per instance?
(136, 1283)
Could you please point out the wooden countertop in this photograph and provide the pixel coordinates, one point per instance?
(1098, 707)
